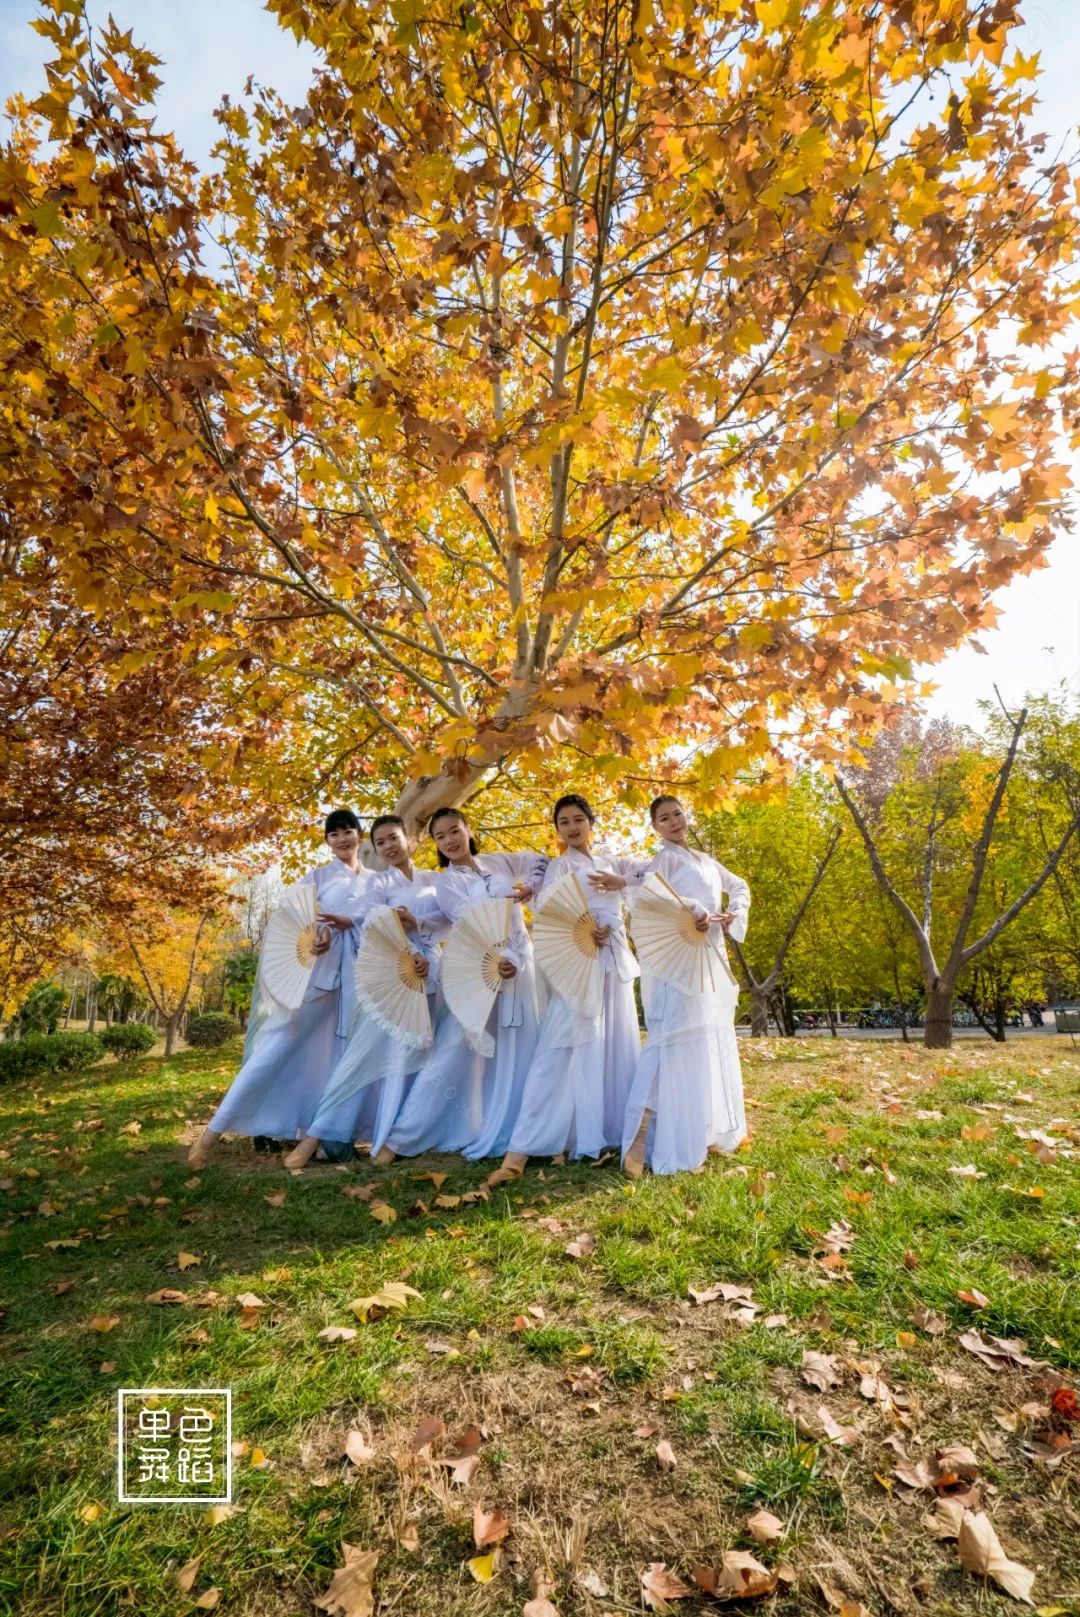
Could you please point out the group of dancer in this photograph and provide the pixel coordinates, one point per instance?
(548, 1079)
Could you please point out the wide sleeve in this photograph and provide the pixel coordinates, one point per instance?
(738, 897)
(527, 867)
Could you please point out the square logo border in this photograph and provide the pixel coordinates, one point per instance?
(180, 1499)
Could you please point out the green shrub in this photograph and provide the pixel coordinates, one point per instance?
(210, 1029)
(42, 1053)
(128, 1038)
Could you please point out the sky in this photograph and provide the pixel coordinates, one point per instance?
(210, 46)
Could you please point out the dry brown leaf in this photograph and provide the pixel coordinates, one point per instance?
(658, 1586)
(820, 1370)
(582, 1246)
(208, 1600)
(383, 1212)
(248, 1299)
(276, 1198)
(185, 1578)
(926, 1320)
(428, 1430)
(166, 1296)
(844, 1436)
(981, 1551)
(725, 1289)
(945, 1518)
(740, 1576)
(996, 1351)
(764, 1527)
(337, 1333)
(350, 1593)
(974, 1299)
(665, 1455)
(490, 1526)
(357, 1448)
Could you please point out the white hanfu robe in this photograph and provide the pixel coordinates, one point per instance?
(278, 1088)
(689, 1074)
(460, 1099)
(368, 1086)
(577, 1088)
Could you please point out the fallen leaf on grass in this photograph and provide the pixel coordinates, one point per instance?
(844, 1604)
(383, 1212)
(843, 1436)
(966, 1170)
(260, 1460)
(446, 1202)
(658, 1586)
(437, 1179)
(665, 1455)
(208, 1600)
(393, 1297)
(103, 1322)
(90, 1513)
(926, 1320)
(490, 1526)
(725, 1289)
(976, 1299)
(185, 1578)
(356, 1448)
(428, 1430)
(337, 1333)
(764, 1527)
(358, 1193)
(819, 1369)
(482, 1567)
(167, 1295)
(350, 1593)
(996, 1351)
(945, 1518)
(221, 1513)
(740, 1576)
(582, 1246)
(773, 1322)
(187, 1260)
(276, 1198)
(981, 1551)
(465, 1457)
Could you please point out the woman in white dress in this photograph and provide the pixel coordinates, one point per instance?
(577, 1087)
(687, 1098)
(277, 1090)
(463, 1099)
(375, 1073)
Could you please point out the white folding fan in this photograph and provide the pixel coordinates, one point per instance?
(563, 927)
(669, 943)
(470, 966)
(388, 984)
(288, 948)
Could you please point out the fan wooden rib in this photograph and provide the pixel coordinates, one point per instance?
(563, 927)
(669, 943)
(387, 982)
(288, 956)
(470, 966)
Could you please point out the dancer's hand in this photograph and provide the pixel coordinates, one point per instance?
(606, 881)
(406, 917)
(321, 942)
(507, 969)
(340, 923)
(724, 919)
(600, 935)
(702, 922)
(522, 892)
(421, 963)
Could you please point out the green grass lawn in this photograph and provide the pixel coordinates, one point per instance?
(571, 1369)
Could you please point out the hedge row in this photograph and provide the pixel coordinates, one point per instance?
(43, 1053)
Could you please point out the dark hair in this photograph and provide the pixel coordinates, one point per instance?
(340, 820)
(381, 820)
(658, 803)
(449, 814)
(573, 800)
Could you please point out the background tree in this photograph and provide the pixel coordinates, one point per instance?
(600, 377)
(951, 806)
(171, 952)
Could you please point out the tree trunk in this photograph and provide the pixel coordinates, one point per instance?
(759, 1014)
(999, 1020)
(170, 1034)
(91, 1012)
(422, 797)
(938, 1032)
